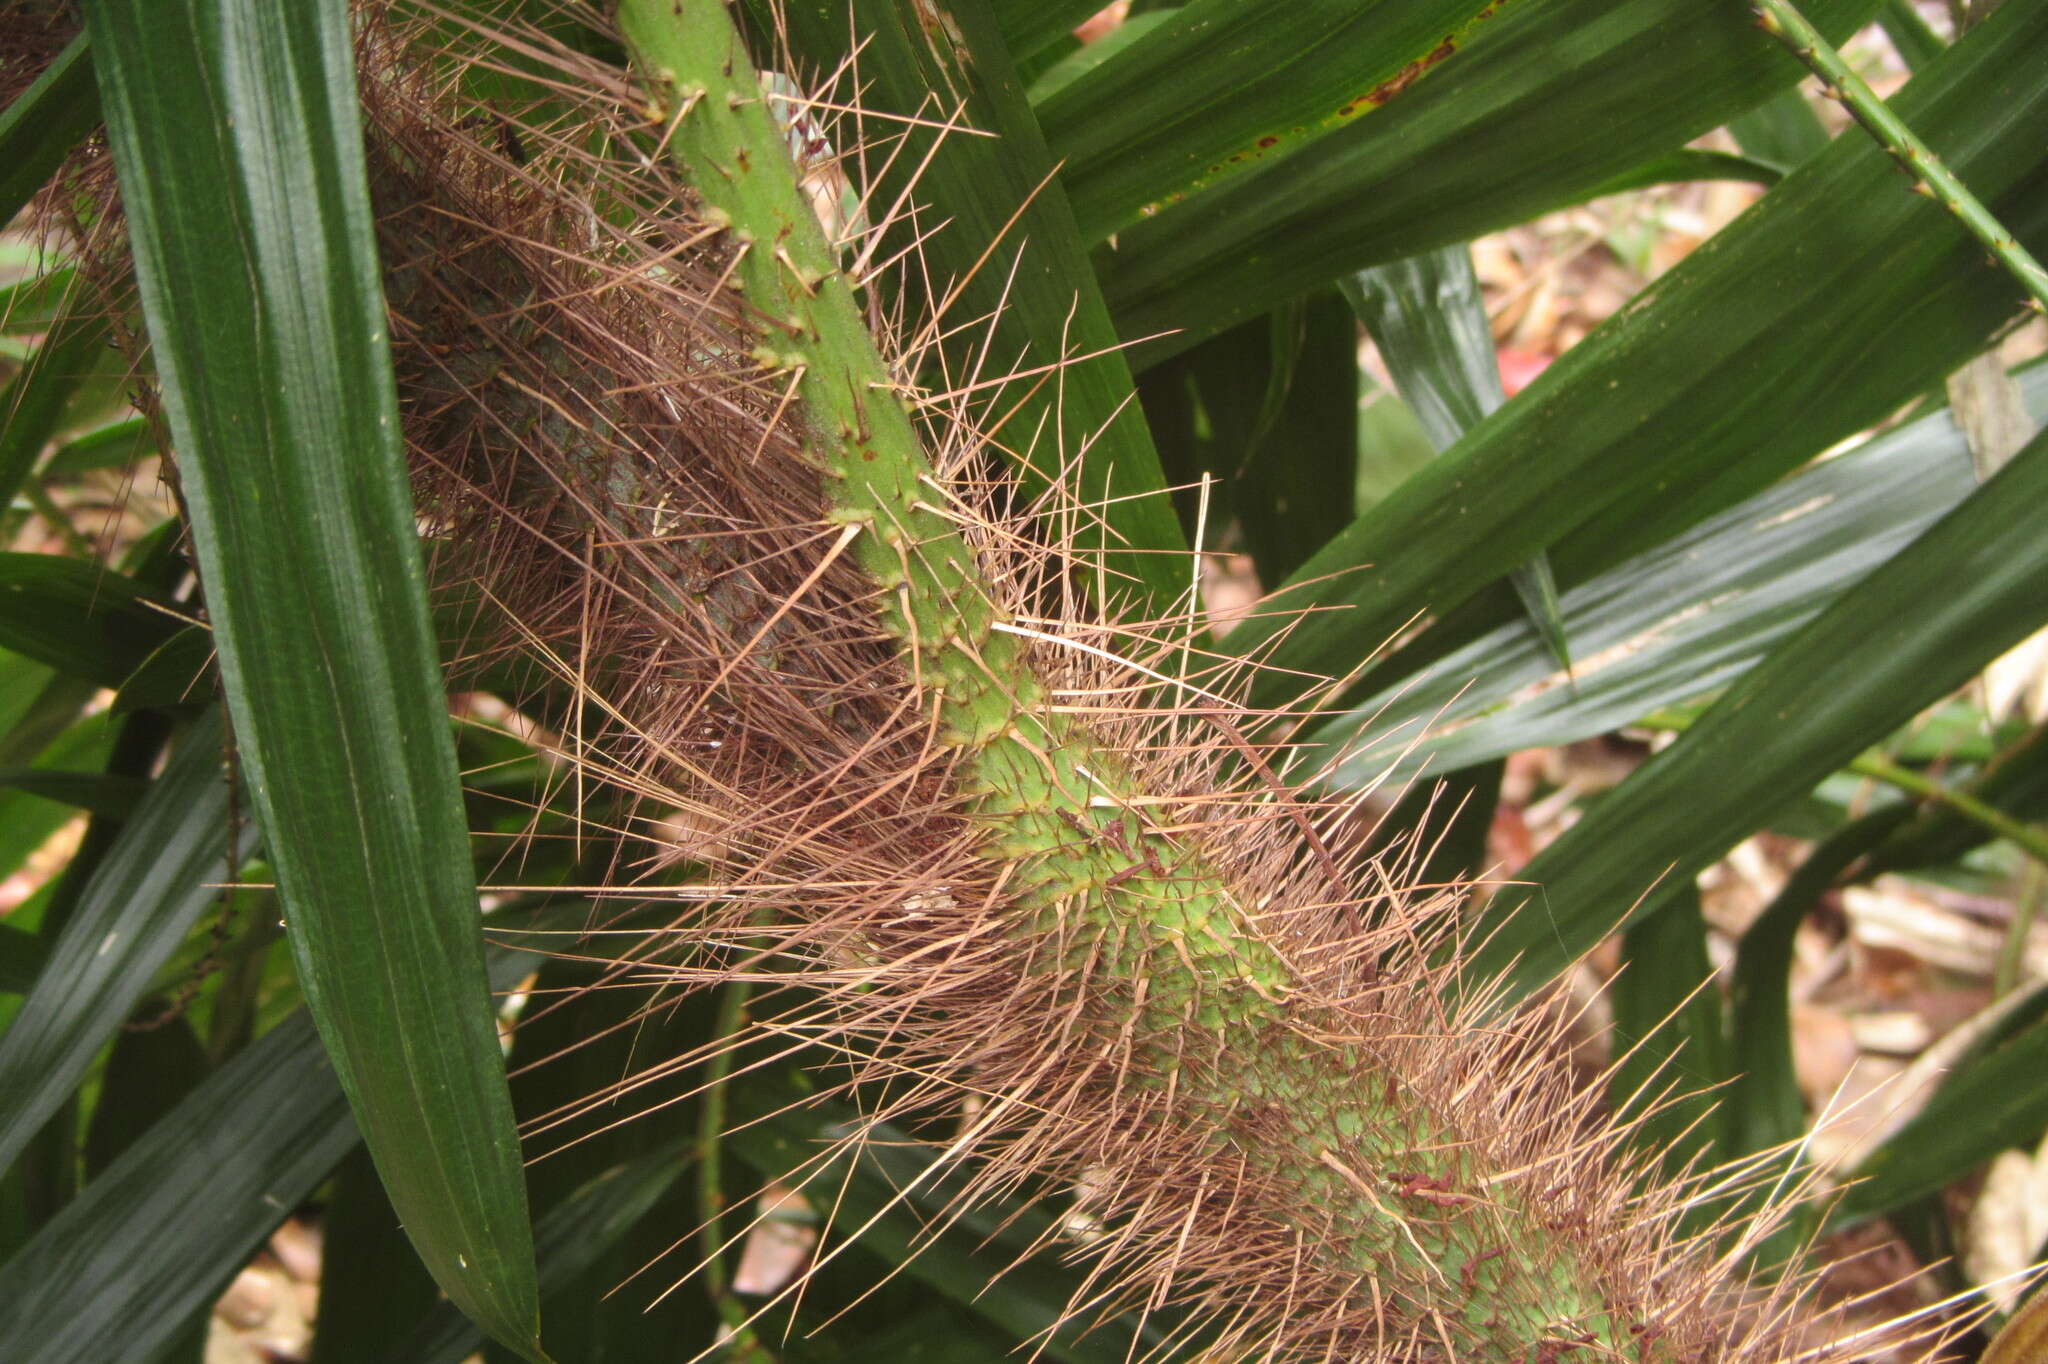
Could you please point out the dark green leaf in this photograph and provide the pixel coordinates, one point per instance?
(1391, 444)
(41, 127)
(938, 1334)
(93, 791)
(1297, 473)
(1028, 25)
(256, 988)
(1441, 826)
(1084, 59)
(1913, 630)
(1669, 1038)
(1782, 131)
(1428, 318)
(597, 1182)
(27, 821)
(1502, 134)
(40, 706)
(1687, 164)
(1814, 314)
(890, 1192)
(30, 306)
(1765, 1107)
(79, 618)
(1763, 1111)
(45, 1175)
(33, 403)
(236, 136)
(996, 196)
(179, 672)
(22, 957)
(1915, 42)
(21, 681)
(1223, 86)
(1033, 66)
(1675, 623)
(372, 1284)
(155, 1062)
(568, 1240)
(161, 1231)
(161, 871)
(111, 447)
(1269, 411)
(1990, 1102)
(622, 1219)
(583, 1036)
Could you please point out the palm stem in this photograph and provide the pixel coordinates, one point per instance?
(1185, 984)
(1783, 21)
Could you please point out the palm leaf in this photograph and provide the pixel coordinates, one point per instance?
(1734, 369)
(1498, 136)
(1910, 632)
(235, 131)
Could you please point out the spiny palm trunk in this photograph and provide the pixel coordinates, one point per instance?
(654, 429)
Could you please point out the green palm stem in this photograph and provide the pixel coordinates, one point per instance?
(1176, 957)
(1783, 21)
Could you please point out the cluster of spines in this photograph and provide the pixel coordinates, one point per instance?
(1252, 1069)
(1144, 912)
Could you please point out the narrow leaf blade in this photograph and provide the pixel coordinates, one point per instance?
(1030, 25)
(41, 127)
(1838, 271)
(1782, 131)
(117, 1275)
(1428, 318)
(1994, 1102)
(1670, 1041)
(84, 620)
(33, 403)
(162, 870)
(1673, 624)
(161, 1231)
(1902, 638)
(236, 135)
(22, 958)
(371, 1281)
(1916, 43)
(1225, 85)
(1765, 1106)
(1497, 137)
(1269, 411)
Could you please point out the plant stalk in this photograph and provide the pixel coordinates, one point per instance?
(1783, 21)
(1181, 976)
